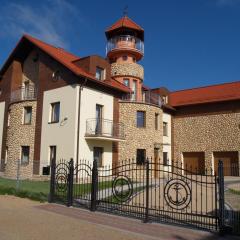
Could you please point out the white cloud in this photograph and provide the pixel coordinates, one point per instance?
(48, 21)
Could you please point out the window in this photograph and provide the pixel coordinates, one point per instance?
(141, 156)
(126, 82)
(25, 154)
(165, 128)
(98, 155)
(99, 118)
(134, 89)
(165, 158)
(52, 154)
(134, 59)
(27, 115)
(56, 76)
(141, 119)
(6, 155)
(165, 99)
(124, 58)
(55, 112)
(100, 73)
(156, 121)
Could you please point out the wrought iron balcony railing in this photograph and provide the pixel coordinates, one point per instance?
(147, 97)
(104, 128)
(24, 93)
(125, 41)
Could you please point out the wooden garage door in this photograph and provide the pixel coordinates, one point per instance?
(230, 163)
(194, 162)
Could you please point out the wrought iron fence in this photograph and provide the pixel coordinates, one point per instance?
(150, 192)
(24, 93)
(104, 128)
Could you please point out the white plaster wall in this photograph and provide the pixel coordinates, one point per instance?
(89, 99)
(2, 109)
(63, 133)
(167, 139)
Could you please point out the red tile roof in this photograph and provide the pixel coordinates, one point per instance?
(208, 94)
(67, 59)
(125, 22)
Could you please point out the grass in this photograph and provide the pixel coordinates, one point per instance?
(234, 191)
(39, 190)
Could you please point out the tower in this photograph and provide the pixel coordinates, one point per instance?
(125, 47)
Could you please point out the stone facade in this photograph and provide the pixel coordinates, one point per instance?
(206, 133)
(127, 69)
(19, 134)
(139, 138)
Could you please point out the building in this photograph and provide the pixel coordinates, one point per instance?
(55, 105)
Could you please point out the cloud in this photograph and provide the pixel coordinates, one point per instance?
(48, 21)
(227, 2)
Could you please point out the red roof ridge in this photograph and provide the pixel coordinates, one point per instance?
(206, 86)
(124, 22)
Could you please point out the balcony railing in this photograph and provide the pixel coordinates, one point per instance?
(23, 93)
(147, 97)
(104, 128)
(125, 41)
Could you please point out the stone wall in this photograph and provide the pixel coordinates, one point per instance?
(127, 69)
(142, 138)
(19, 135)
(206, 133)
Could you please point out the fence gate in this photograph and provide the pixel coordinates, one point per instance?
(149, 191)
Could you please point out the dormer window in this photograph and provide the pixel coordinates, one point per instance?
(100, 73)
(165, 99)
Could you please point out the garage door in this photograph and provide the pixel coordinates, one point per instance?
(230, 163)
(194, 162)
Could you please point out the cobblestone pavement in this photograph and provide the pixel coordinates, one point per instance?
(22, 219)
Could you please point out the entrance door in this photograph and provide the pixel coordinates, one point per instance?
(230, 163)
(156, 161)
(194, 162)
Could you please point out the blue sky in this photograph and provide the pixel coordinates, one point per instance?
(188, 43)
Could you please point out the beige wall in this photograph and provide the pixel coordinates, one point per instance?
(208, 133)
(19, 135)
(143, 138)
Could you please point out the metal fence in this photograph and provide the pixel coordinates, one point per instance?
(149, 191)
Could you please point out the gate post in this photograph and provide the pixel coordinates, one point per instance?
(146, 219)
(94, 186)
(221, 213)
(70, 183)
(52, 182)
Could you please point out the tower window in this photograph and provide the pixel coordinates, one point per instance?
(27, 115)
(141, 119)
(100, 73)
(141, 156)
(25, 154)
(124, 58)
(134, 59)
(126, 82)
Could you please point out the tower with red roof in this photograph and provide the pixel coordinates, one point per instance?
(125, 47)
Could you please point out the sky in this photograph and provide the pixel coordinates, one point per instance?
(188, 43)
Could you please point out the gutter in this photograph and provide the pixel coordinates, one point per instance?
(78, 120)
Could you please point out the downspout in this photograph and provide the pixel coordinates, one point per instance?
(78, 120)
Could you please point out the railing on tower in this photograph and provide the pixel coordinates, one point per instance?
(125, 41)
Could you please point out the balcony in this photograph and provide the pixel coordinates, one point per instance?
(125, 42)
(147, 97)
(23, 94)
(103, 129)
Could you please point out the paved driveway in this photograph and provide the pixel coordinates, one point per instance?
(22, 219)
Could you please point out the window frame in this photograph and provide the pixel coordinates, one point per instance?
(144, 119)
(142, 159)
(52, 147)
(165, 129)
(102, 73)
(24, 115)
(126, 79)
(51, 112)
(22, 148)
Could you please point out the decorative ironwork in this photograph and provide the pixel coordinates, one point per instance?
(177, 194)
(62, 177)
(122, 188)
